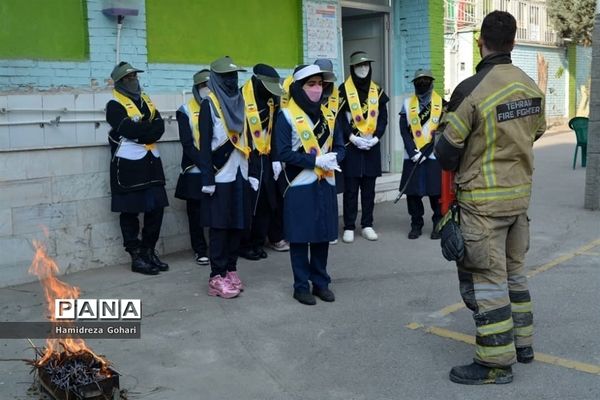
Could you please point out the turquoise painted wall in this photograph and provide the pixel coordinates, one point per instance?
(525, 57)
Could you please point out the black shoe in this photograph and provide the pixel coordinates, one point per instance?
(249, 255)
(525, 354)
(477, 374)
(261, 253)
(305, 298)
(324, 294)
(140, 265)
(414, 233)
(201, 259)
(152, 258)
(435, 235)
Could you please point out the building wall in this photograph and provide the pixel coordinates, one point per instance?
(525, 57)
(583, 72)
(56, 175)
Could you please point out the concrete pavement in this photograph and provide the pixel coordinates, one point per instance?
(394, 332)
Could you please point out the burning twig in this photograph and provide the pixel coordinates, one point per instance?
(67, 368)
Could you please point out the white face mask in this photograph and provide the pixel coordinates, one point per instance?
(204, 92)
(362, 71)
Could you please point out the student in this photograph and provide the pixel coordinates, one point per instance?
(362, 118)
(189, 184)
(224, 156)
(261, 97)
(137, 179)
(310, 148)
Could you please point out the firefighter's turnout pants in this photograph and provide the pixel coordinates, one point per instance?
(494, 286)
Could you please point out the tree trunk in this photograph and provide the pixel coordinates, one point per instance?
(542, 68)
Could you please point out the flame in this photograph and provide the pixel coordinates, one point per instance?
(46, 269)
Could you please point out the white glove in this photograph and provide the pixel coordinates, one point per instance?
(327, 161)
(415, 158)
(253, 183)
(210, 190)
(373, 141)
(276, 169)
(361, 143)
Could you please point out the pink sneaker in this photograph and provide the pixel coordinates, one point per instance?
(235, 280)
(219, 286)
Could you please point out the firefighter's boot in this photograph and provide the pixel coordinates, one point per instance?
(477, 374)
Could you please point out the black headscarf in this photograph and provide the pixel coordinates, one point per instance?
(312, 109)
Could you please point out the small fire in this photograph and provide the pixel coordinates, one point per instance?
(46, 269)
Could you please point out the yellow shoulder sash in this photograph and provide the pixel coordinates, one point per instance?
(262, 140)
(133, 112)
(366, 126)
(238, 141)
(423, 136)
(307, 137)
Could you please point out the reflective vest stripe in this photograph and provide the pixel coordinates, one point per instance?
(516, 192)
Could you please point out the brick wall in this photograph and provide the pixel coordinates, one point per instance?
(525, 57)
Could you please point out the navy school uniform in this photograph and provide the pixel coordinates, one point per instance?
(189, 183)
(310, 211)
(228, 211)
(136, 181)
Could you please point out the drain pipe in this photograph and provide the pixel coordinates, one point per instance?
(120, 19)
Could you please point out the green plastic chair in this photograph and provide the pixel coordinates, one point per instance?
(580, 126)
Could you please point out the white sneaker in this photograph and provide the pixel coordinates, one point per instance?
(369, 233)
(348, 236)
(333, 242)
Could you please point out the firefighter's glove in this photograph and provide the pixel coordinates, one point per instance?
(452, 242)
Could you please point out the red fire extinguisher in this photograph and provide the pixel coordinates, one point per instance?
(448, 195)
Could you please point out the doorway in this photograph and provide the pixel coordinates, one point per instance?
(365, 27)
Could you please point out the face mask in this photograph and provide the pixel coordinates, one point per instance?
(230, 81)
(314, 93)
(132, 85)
(204, 92)
(422, 87)
(362, 71)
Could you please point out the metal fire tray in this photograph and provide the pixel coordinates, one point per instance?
(100, 390)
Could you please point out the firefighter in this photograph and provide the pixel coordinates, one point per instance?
(137, 180)
(189, 184)
(492, 121)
